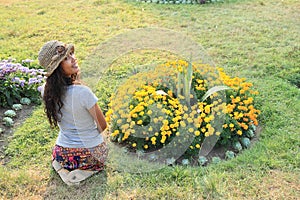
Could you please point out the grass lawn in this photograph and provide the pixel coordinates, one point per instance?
(257, 39)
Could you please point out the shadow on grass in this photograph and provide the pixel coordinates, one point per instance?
(94, 187)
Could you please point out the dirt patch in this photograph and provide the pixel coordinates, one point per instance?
(8, 131)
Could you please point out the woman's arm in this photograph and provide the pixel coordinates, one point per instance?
(99, 118)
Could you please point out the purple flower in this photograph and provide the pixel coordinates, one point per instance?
(40, 88)
(22, 83)
(27, 61)
(24, 69)
(15, 80)
(32, 81)
(33, 73)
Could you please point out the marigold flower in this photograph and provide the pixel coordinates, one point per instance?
(182, 123)
(239, 132)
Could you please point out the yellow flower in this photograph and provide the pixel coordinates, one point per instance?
(231, 125)
(185, 108)
(182, 123)
(239, 132)
(197, 133)
(116, 132)
(134, 145)
(146, 146)
(190, 120)
(140, 122)
(163, 139)
(207, 109)
(191, 130)
(198, 146)
(207, 119)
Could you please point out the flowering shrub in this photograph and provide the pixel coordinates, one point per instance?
(151, 109)
(18, 81)
(181, 1)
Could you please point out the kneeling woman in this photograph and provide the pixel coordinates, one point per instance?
(80, 149)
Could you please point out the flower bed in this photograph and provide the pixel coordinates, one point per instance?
(181, 1)
(19, 81)
(189, 108)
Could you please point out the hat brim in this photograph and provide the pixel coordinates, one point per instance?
(70, 48)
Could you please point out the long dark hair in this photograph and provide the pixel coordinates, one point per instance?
(54, 91)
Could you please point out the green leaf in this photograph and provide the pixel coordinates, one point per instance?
(214, 90)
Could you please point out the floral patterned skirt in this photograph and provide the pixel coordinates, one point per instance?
(81, 158)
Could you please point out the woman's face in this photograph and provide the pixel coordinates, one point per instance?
(70, 65)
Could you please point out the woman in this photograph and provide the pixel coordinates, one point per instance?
(80, 149)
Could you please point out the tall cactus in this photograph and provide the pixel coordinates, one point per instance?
(184, 83)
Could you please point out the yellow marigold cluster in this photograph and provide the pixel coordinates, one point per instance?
(146, 112)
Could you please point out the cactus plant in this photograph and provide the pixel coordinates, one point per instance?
(17, 107)
(229, 154)
(25, 101)
(170, 161)
(237, 146)
(245, 142)
(10, 113)
(7, 121)
(250, 133)
(216, 159)
(185, 162)
(202, 160)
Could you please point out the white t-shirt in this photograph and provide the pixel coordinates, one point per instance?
(77, 127)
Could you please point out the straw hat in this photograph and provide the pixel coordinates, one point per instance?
(52, 53)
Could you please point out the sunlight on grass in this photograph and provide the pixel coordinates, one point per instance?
(253, 39)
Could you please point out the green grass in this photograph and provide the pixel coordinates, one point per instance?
(258, 40)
